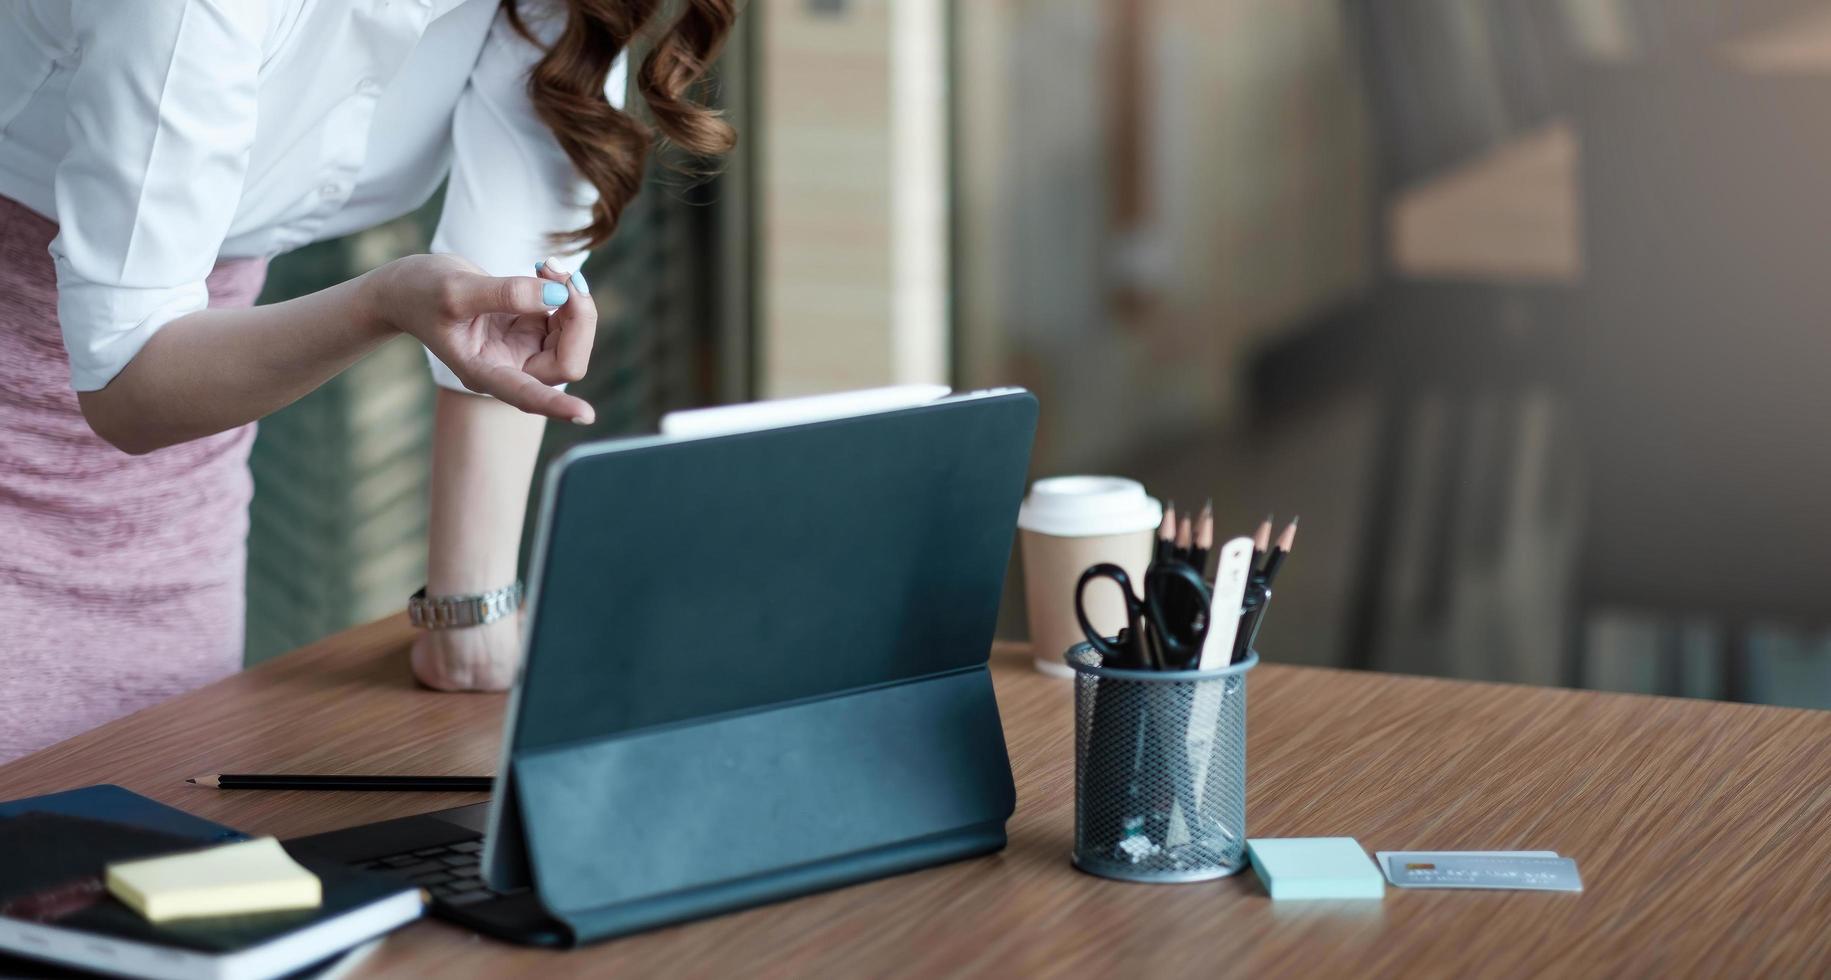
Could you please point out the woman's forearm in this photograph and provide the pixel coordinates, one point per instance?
(482, 463)
(213, 370)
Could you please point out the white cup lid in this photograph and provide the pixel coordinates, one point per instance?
(1088, 506)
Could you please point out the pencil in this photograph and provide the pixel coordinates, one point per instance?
(1275, 560)
(1204, 539)
(1261, 542)
(378, 784)
(1185, 539)
(1166, 533)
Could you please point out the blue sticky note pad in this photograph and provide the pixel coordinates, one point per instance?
(1315, 867)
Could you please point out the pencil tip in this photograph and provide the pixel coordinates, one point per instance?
(209, 780)
(192, 780)
(1289, 536)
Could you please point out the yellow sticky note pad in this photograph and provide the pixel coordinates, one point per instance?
(233, 879)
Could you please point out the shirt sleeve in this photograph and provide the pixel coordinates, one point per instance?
(511, 184)
(162, 106)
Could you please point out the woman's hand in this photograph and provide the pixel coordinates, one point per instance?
(496, 334)
(473, 658)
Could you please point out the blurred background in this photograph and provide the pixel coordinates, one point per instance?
(1519, 303)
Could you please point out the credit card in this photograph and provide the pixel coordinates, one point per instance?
(1387, 859)
(1546, 874)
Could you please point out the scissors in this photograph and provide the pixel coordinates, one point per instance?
(1172, 642)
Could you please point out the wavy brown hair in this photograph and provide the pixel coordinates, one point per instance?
(610, 147)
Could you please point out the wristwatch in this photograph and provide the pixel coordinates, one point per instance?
(443, 612)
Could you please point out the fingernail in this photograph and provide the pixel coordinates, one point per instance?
(552, 262)
(582, 419)
(554, 294)
(578, 283)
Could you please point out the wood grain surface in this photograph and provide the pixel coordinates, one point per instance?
(1703, 831)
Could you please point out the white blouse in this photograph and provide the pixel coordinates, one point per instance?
(163, 134)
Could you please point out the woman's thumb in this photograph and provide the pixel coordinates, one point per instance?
(479, 294)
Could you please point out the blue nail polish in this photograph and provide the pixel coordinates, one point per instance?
(540, 267)
(553, 294)
(578, 283)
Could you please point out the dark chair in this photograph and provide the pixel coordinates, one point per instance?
(1701, 377)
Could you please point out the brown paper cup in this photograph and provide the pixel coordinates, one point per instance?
(1068, 524)
(1052, 566)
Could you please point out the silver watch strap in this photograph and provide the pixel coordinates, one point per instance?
(441, 612)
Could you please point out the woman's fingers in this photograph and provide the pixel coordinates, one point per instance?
(522, 390)
(571, 330)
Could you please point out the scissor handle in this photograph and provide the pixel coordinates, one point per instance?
(1179, 640)
(1106, 570)
(1154, 592)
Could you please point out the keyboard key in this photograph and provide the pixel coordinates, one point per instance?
(464, 885)
(400, 861)
(429, 851)
(455, 860)
(468, 871)
(425, 867)
(435, 878)
(466, 898)
(468, 847)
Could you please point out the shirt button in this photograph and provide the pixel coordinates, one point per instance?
(368, 86)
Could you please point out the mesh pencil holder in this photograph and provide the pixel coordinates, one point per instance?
(1159, 770)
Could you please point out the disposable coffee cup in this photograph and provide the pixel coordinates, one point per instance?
(1066, 525)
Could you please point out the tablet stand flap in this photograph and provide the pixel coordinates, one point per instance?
(664, 824)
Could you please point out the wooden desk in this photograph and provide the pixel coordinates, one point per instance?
(1703, 831)
(1511, 215)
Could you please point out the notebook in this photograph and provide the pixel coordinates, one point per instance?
(55, 907)
(106, 801)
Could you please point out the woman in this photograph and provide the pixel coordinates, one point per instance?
(153, 156)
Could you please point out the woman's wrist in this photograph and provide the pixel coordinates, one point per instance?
(483, 461)
(368, 309)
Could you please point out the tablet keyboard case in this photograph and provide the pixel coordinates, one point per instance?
(773, 681)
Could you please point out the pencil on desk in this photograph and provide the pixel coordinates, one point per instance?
(375, 784)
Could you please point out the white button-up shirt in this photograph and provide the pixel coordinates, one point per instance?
(163, 134)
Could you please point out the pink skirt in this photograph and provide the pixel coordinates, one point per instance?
(121, 577)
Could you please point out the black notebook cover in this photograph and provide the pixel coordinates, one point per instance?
(53, 874)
